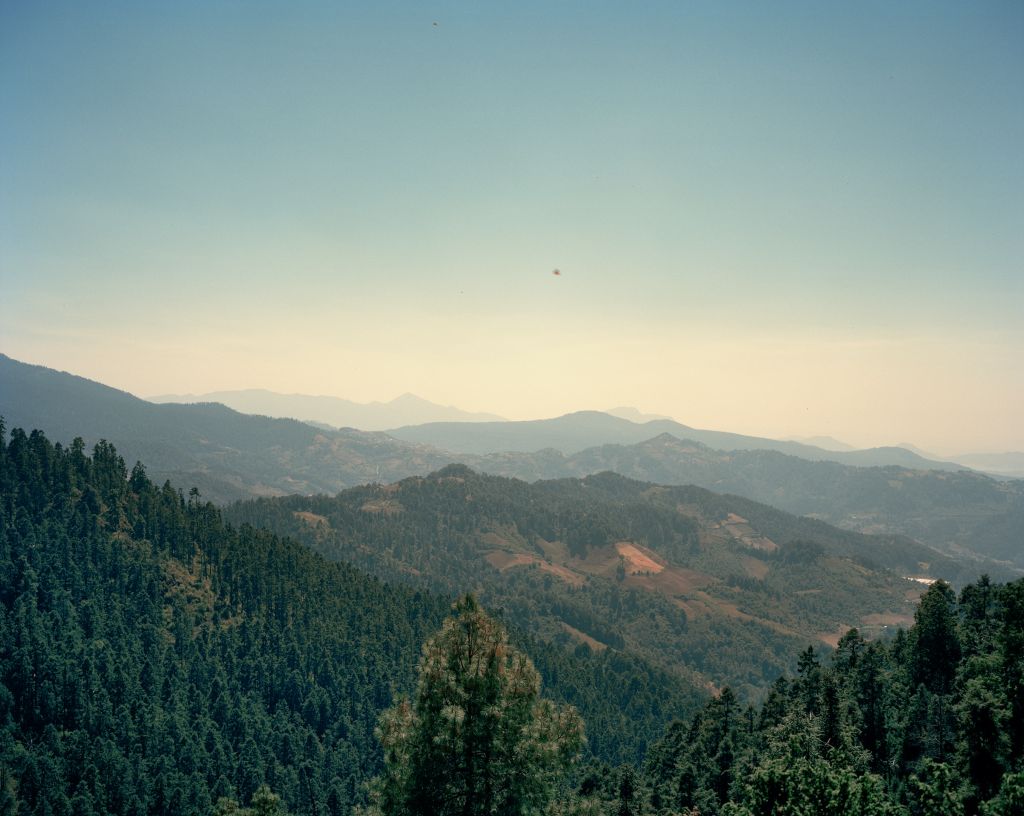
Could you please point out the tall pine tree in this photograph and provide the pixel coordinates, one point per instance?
(477, 740)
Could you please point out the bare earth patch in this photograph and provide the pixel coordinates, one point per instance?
(566, 574)
(503, 560)
(754, 567)
(832, 638)
(504, 538)
(733, 611)
(740, 529)
(583, 637)
(637, 560)
(870, 626)
(554, 551)
(599, 561)
(671, 581)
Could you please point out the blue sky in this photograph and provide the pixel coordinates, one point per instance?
(785, 218)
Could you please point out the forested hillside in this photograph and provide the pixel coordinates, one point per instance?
(929, 724)
(676, 574)
(964, 513)
(154, 659)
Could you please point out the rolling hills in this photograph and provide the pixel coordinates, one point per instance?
(691, 580)
(229, 456)
(963, 513)
(578, 431)
(407, 409)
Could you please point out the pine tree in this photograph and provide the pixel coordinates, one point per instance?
(478, 740)
(936, 649)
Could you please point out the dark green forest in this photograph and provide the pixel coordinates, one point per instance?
(928, 724)
(154, 659)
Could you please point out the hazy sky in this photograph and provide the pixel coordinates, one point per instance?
(776, 218)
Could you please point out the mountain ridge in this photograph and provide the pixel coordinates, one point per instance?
(337, 412)
(228, 455)
(579, 430)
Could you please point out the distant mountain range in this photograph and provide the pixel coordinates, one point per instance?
(964, 512)
(226, 454)
(229, 455)
(578, 431)
(829, 443)
(1009, 464)
(407, 409)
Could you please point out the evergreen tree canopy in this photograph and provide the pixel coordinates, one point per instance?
(477, 740)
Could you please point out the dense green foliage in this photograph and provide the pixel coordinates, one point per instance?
(155, 660)
(477, 740)
(929, 724)
(545, 554)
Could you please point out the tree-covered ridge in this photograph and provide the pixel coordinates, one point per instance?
(670, 573)
(961, 511)
(154, 659)
(929, 724)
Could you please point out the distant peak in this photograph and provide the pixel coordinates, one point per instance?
(829, 443)
(915, 449)
(632, 414)
(408, 398)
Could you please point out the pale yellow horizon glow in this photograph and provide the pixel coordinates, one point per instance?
(767, 221)
(945, 394)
